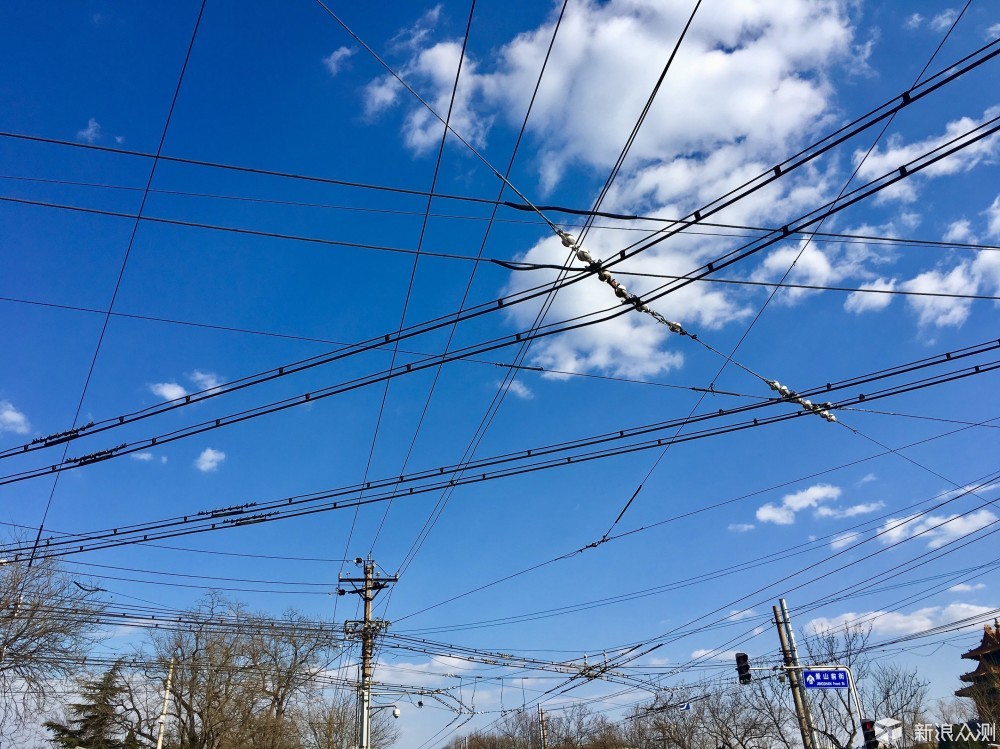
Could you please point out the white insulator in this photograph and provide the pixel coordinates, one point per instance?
(621, 292)
(675, 327)
(583, 256)
(568, 240)
(784, 391)
(603, 275)
(774, 385)
(806, 404)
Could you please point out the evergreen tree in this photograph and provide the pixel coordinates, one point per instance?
(94, 722)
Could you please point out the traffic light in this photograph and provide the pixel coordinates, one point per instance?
(743, 668)
(868, 729)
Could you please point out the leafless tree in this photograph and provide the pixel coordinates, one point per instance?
(47, 624)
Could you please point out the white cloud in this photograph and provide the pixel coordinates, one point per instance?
(168, 390)
(209, 460)
(335, 60)
(205, 380)
(849, 512)
(416, 35)
(741, 527)
(120, 139)
(860, 301)
(993, 216)
(913, 22)
(867, 479)
(784, 514)
(91, 133)
(935, 530)
(993, 31)
(942, 312)
(960, 231)
(897, 153)
(943, 21)
(690, 149)
(712, 655)
(521, 390)
(965, 588)
(844, 539)
(147, 457)
(894, 623)
(12, 420)
(738, 614)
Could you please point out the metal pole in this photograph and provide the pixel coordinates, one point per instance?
(790, 632)
(793, 680)
(541, 728)
(166, 702)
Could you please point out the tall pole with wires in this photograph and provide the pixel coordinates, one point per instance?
(791, 660)
(367, 629)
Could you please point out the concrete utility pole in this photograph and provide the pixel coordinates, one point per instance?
(794, 680)
(367, 630)
(543, 734)
(166, 703)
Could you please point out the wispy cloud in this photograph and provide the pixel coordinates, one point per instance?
(965, 588)
(91, 133)
(335, 60)
(521, 390)
(147, 457)
(205, 380)
(12, 420)
(849, 512)
(741, 527)
(935, 530)
(209, 460)
(844, 539)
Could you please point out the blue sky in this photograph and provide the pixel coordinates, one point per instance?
(284, 88)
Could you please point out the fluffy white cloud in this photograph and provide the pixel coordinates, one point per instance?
(860, 301)
(209, 460)
(943, 312)
(913, 21)
(935, 530)
(960, 231)
(784, 514)
(168, 390)
(12, 420)
(91, 133)
(335, 60)
(894, 623)
(690, 149)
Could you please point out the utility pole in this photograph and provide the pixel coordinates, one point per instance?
(367, 630)
(791, 661)
(166, 703)
(541, 728)
(790, 632)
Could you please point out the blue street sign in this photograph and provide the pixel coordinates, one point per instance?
(813, 679)
(686, 707)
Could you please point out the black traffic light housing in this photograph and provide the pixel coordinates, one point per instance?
(743, 667)
(868, 729)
